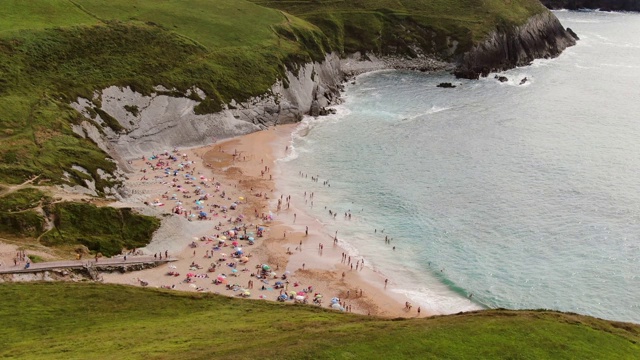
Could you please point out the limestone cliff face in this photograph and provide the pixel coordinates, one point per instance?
(541, 37)
(162, 122)
(604, 5)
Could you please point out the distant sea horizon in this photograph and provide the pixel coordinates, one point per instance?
(494, 194)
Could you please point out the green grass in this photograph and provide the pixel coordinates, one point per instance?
(394, 26)
(103, 230)
(53, 51)
(22, 199)
(91, 321)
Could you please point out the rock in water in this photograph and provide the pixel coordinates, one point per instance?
(501, 78)
(315, 108)
(523, 81)
(446, 85)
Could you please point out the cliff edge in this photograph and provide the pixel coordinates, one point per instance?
(509, 46)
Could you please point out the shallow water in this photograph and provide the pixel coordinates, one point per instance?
(524, 196)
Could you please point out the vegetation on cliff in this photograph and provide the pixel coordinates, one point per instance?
(52, 51)
(103, 230)
(80, 321)
(441, 28)
(24, 214)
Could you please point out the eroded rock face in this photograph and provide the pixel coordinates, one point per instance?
(162, 122)
(541, 37)
(604, 5)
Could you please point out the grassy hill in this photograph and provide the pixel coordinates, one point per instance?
(52, 51)
(400, 26)
(91, 321)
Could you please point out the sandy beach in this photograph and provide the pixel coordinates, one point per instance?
(225, 223)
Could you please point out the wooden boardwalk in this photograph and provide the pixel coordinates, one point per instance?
(80, 264)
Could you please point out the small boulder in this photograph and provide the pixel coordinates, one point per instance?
(315, 108)
(523, 81)
(501, 78)
(446, 85)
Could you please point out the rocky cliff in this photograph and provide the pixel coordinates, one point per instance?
(163, 120)
(541, 37)
(127, 124)
(604, 5)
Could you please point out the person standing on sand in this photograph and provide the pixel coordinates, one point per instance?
(306, 231)
(385, 283)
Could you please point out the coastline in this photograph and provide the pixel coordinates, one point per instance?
(240, 177)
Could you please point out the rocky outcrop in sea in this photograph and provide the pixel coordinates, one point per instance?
(541, 37)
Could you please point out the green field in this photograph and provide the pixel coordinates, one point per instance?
(93, 321)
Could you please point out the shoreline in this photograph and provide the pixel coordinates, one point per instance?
(360, 291)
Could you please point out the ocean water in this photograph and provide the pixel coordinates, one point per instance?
(523, 196)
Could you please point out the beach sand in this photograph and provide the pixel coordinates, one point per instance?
(244, 170)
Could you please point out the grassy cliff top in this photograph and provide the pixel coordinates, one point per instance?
(52, 51)
(96, 321)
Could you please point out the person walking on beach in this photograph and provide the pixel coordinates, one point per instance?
(306, 231)
(385, 283)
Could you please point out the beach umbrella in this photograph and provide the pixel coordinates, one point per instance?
(232, 233)
(261, 228)
(241, 198)
(193, 285)
(251, 238)
(202, 213)
(235, 243)
(292, 293)
(318, 296)
(266, 267)
(234, 271)
(283, 297)
(223, 238)
(335, 300)
(300, 298)
(337, 306)
(246, 293)
(278, 283)
(301, 293)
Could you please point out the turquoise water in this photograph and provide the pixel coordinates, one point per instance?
(524, 196)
